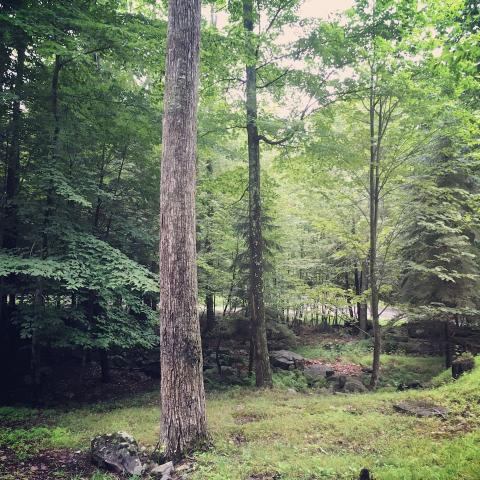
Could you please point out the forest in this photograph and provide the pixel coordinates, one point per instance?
(240, 239)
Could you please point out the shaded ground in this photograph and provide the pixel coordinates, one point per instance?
(280, 434)
(49, 464)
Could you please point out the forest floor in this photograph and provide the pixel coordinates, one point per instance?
(288, 433)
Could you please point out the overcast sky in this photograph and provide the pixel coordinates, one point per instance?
(309, 9)
(323, 8)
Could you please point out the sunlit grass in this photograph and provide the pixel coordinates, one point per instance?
(306, 436)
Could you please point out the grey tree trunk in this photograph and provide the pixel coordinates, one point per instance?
(183, 422)
(373, 211)
(263, 373)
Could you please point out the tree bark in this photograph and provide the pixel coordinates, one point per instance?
(362, 310)
(9, 240)
(183, 423)
(9, 335)
(373, 212)
(448, 345)
(263, 373)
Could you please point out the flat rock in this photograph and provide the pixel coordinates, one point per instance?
(420, 409)
(286, 360)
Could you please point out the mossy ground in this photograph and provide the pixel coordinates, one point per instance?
(295, 436)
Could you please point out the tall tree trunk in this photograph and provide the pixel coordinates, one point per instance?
(9, 240)
(362, 309)
(183, 423)
(373, 211)
(9, 336)
(263, 373)
(210, 311)
(448, 344)
(209, 296)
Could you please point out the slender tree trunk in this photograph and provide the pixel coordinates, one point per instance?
(362, 309)
(183, 423)
(263, 373)
(448, 344)
(209, 297)
(10, 233)
(210, 312)
(373, 211)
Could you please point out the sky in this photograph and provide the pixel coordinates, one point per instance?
(323, 8)
(309, 9)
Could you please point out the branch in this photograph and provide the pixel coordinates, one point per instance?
(271, 82)
(275, 16)
(87, 52)
(218, 130)
(275, 142)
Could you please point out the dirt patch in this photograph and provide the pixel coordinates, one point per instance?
(340, 368)
(239, 439)
(47, 465)
(264, 476)
(248, 417)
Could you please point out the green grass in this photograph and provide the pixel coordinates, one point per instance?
(395, 368)
(303, 436)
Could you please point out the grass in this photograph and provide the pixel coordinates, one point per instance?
(300, 436)
(395, 368)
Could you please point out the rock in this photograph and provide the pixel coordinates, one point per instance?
(462, 364)
(286, 360)
(344, 384)
(118, 452)
(410, 386)
(163, 471)
(317, 371)
(354, 385)
(420, 409)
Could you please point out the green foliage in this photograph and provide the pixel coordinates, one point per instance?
(441, 264)
(290, 380)
(28, 442)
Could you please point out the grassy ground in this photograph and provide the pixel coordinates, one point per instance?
(291, 435)
(396, 369)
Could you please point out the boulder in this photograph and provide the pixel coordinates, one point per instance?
(117, 452)
(344, 384)
(354, 385)
(286, 360)
(315, 372)
(415, 384)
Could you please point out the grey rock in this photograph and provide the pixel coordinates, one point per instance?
(317, 371)
(163, 470)
(286, 360)
(344, 384)
(118, 452)
(420, 409)
(354, 385)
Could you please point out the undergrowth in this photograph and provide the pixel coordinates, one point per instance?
(301, 436)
